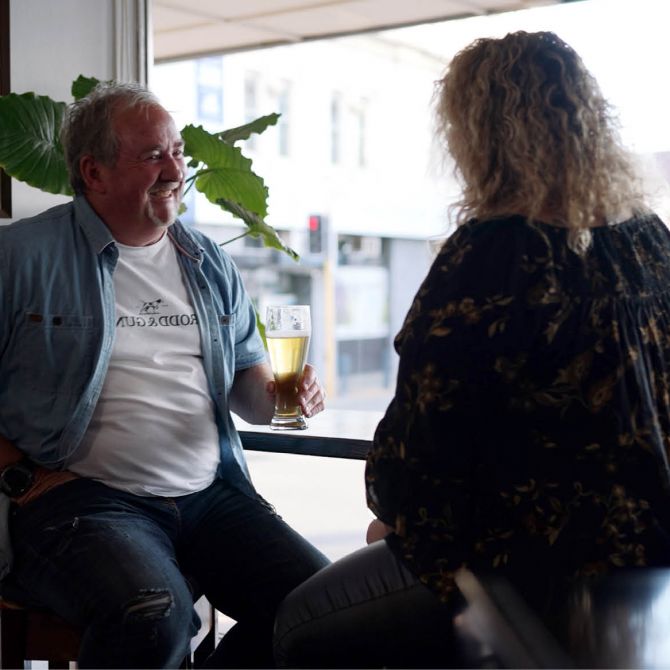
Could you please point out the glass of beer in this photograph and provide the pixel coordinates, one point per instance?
(287, 331)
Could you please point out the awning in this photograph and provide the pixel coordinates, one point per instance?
(186, 28)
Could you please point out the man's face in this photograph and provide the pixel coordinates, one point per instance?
(144, 188)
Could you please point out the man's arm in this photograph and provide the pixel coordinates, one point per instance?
(44, 478)
(8, 453)
(252, 396)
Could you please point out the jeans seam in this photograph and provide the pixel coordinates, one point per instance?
(364, 601)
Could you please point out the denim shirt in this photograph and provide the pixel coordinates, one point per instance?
(57, 324)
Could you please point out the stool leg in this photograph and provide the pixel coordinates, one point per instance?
(13, 631)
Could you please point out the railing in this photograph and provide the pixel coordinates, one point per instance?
(335, 433)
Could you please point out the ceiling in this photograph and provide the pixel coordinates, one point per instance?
(184, 28)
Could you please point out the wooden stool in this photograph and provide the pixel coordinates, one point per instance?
(31, 635)
(37, 635)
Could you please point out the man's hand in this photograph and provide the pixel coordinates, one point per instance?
(253, 395)
(312, 394)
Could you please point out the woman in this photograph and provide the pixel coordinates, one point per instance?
(530, 426)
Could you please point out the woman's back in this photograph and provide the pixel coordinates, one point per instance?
(530, 426)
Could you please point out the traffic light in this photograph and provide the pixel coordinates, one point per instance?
(317, 232)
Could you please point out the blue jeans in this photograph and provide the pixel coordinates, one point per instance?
(126, 568)
(366, 610)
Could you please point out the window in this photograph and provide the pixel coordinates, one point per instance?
(361, 131)
(283, 106)
(209, 85)
(251, 104)
(5, 182)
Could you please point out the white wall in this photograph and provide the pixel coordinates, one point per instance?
(52, 43)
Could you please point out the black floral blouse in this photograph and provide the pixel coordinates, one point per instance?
(530, 426)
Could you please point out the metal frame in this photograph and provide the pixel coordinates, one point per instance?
(5, 180)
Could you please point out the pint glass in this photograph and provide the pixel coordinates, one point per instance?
(287, 330)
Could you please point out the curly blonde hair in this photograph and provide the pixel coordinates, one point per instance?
(531, 134)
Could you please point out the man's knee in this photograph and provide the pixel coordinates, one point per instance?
(153, 628)
(148, 605)
(158, 610)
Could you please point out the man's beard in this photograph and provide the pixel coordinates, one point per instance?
(170, 218)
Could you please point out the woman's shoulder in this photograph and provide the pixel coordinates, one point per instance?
(489, 246)
(503, 232)
(646, 222)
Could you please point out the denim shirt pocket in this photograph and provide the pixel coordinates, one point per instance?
(55, 350)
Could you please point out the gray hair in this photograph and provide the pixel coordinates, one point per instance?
(88, 125)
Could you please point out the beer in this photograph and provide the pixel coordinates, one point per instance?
(287, 356)
(288, 330)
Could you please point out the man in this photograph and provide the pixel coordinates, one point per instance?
(125, 341)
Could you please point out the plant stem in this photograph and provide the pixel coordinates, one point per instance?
(190, 181)
(232, 239)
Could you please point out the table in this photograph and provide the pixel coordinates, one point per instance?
(338, 433)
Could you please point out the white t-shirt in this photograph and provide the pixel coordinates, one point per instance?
(153, 431)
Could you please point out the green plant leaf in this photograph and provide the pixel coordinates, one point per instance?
(233, 135)
(30, 149)
(261, 329)
(82, 86)
(258, 227)
(227, 173)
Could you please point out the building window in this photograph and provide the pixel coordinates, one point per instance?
(283, 107)
(209, 85)
(251, 104)
(335, 128)
(361, 132)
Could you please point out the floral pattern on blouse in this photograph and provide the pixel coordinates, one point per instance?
(530, 426)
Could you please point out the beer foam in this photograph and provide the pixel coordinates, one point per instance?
(277, 334)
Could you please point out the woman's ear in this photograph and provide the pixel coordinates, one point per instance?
(92, 174)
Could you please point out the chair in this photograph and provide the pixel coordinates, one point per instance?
(618, 620)
(27, 635)
(32, 635)
(498, 629)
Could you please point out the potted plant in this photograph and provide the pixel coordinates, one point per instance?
(30, 151)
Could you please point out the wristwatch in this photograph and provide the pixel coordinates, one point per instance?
(17, 478)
